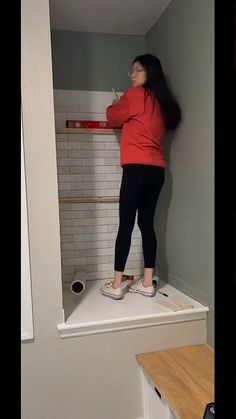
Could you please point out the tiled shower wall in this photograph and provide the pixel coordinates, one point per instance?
(88, 166)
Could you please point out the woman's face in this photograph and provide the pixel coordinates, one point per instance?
(137, 75)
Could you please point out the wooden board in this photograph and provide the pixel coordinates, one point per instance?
(86, 131)
(108, 199)
(183, 376)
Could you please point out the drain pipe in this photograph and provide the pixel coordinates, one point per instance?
(77, 286)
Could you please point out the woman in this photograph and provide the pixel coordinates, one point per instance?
(145, 112)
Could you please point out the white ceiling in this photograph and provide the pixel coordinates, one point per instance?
(128, 17)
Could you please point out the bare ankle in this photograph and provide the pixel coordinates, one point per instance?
(117, 279)
(147, 278)
(116, 285)
(146, 283)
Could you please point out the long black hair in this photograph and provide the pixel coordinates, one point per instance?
(157, 83)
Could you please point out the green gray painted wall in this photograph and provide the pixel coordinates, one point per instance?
(183, 39)
(93, 61)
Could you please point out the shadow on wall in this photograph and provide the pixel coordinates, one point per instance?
(161, 215)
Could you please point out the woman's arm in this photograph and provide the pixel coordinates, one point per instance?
(128, 106)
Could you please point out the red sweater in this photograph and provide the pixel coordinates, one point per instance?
(139, 114)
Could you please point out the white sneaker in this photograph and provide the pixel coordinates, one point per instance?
(108, 290)
(140, 289)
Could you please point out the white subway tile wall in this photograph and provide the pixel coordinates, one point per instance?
(88, 166)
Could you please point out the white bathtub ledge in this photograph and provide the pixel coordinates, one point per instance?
(67, 330)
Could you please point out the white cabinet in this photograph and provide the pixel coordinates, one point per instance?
(154, 406)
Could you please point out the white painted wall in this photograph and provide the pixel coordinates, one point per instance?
(26, 297)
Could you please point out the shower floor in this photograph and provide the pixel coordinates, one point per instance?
(93, 313)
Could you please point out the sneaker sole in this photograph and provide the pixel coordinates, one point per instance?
(142, 293)
(115, 297)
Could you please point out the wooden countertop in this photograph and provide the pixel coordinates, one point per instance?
(183, 376)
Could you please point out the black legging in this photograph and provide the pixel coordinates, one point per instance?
(140, 188)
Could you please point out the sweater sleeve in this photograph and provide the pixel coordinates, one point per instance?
(128, 106)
